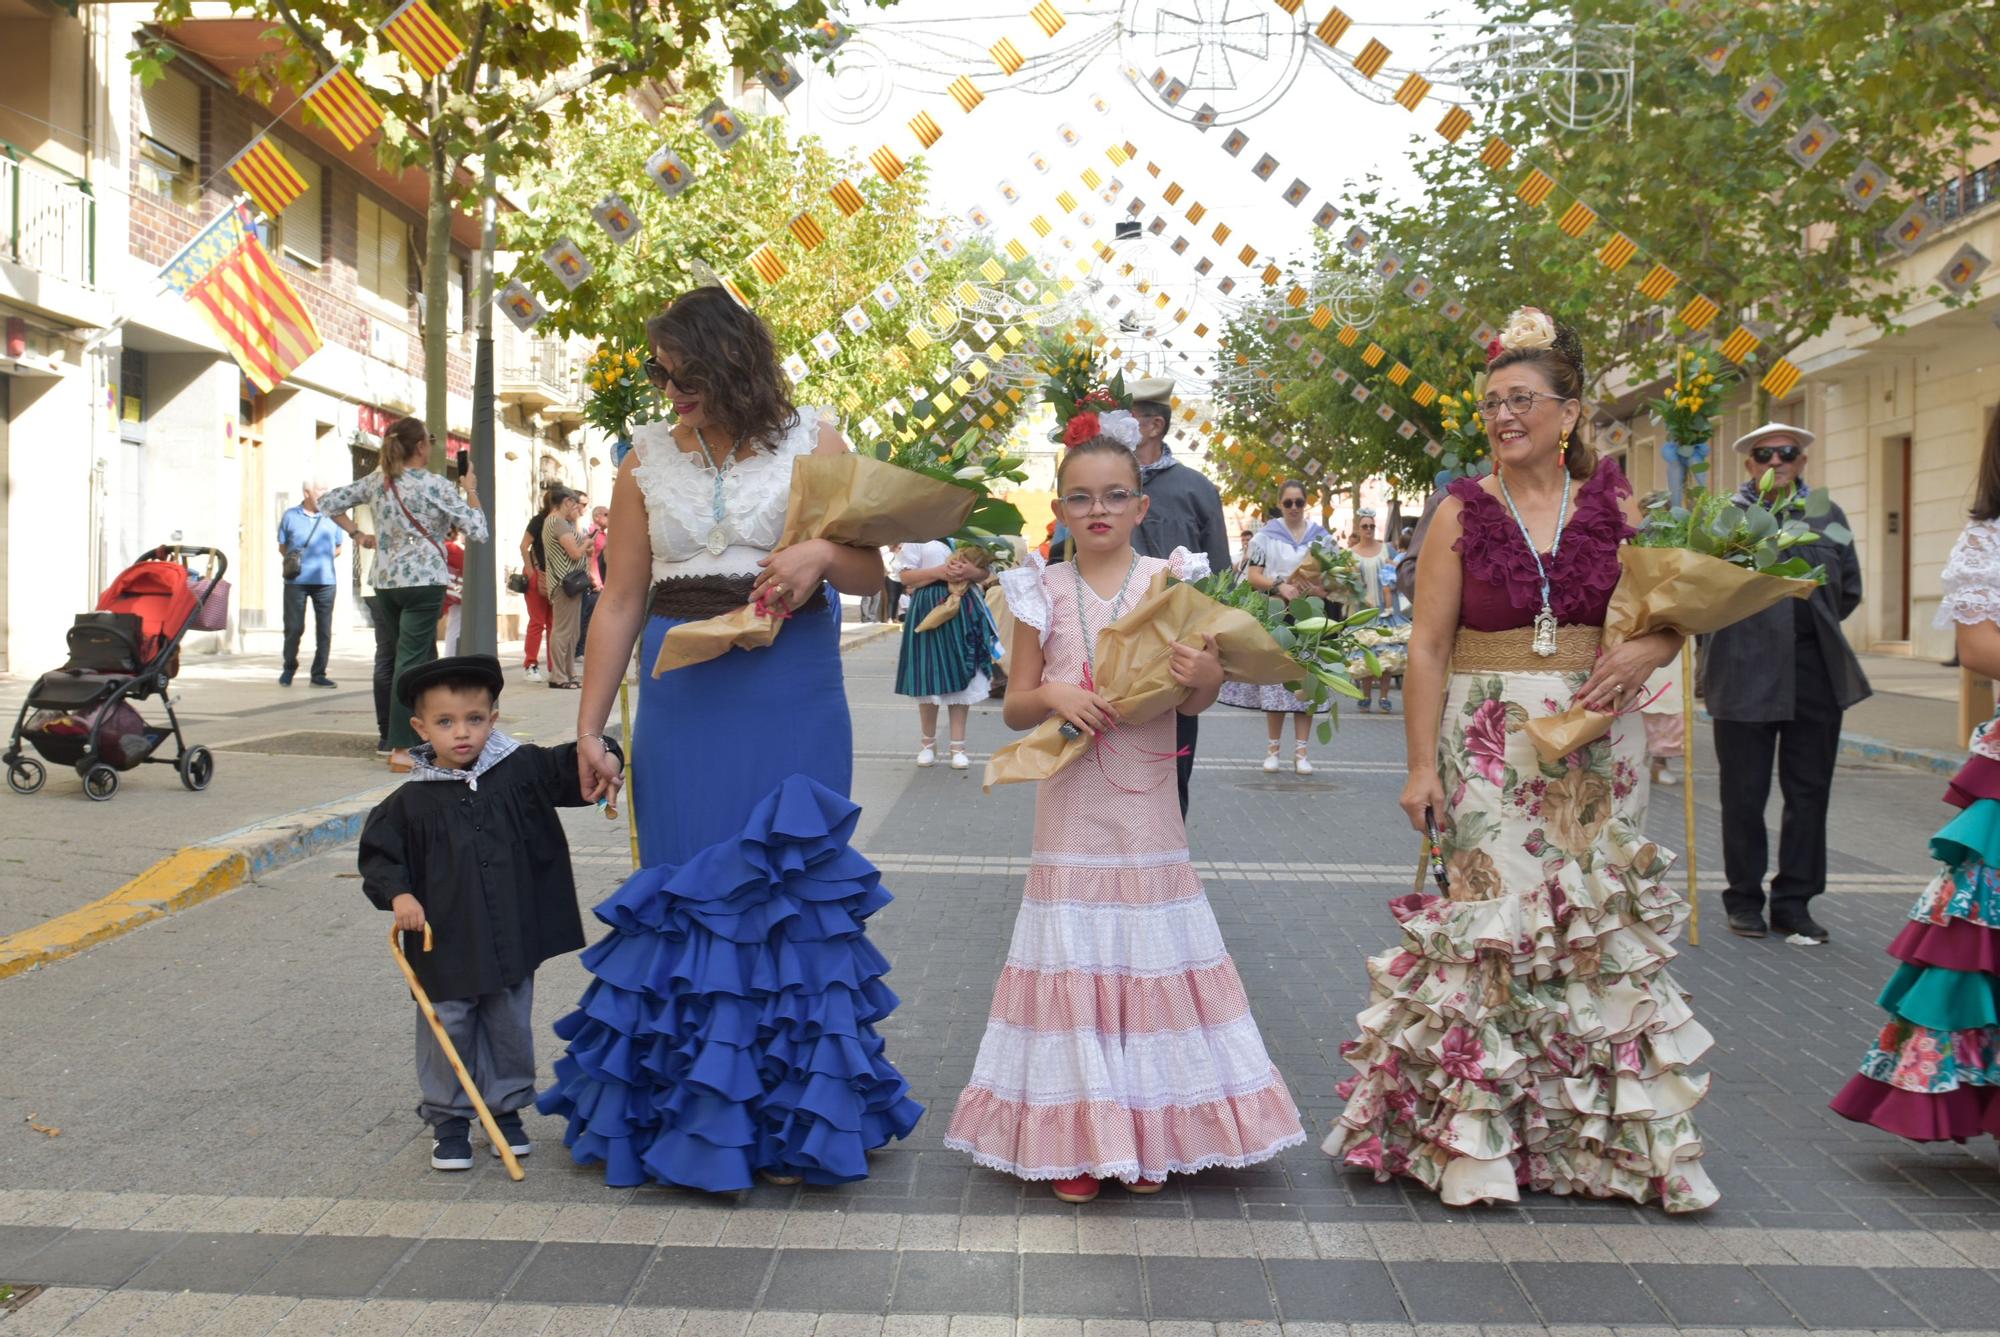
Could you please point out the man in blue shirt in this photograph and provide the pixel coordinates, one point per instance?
(304, 534)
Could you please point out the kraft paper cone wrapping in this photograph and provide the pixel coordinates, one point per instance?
(947, 610)
(1003, 619)
(849, 499)
(1135, 671)
(1665, 589)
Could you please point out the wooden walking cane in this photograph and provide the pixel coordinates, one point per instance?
(1687, 785)
(514, 1170)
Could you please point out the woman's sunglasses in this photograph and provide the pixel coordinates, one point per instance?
(1765, 454)
(1293, 503)
(662, 379)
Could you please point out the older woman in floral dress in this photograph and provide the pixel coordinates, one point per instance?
(1526, 1033)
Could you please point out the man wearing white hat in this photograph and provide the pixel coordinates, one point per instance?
(1186, 512)
(1776, 685)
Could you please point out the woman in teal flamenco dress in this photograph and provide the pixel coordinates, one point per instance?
(1934, 1071)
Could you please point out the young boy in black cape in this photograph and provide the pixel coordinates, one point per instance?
(472, 845)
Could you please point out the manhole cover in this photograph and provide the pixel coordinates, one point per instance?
(358, 746)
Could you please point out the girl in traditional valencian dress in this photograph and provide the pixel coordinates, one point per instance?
(1935, 1068)
(1525, 1033)
(1120, 1044)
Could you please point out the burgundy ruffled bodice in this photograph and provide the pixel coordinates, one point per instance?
(1502, 589)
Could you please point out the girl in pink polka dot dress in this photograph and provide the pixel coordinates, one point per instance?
(1120, 1043)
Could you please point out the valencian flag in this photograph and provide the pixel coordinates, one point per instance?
(416, 31)
(228, 274)
(263, 171)
(344, 105)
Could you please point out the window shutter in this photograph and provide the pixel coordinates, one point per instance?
(299, 229)
(392, 264)
(367, 247)
(171, 108)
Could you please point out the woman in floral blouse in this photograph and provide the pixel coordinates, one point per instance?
(414, 509)
(1525, 1034)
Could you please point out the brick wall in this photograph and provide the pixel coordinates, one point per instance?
(160, 227)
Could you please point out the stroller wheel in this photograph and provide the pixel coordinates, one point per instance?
(100, 782)
(197, 767)
(26, 775)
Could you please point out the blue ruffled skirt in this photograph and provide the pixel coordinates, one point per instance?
(731, 1024)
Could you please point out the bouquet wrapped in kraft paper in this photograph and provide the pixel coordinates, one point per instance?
(1665, 589)
(954, 598)
(842, 498)
(1134, 671)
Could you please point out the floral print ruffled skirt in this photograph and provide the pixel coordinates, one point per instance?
(1526, 1032)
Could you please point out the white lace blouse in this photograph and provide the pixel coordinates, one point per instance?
(679, 488)
(1028, 600)
(1971, 582)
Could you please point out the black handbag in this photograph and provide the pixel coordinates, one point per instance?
(295, 558)
(576, 582)
(517, 582)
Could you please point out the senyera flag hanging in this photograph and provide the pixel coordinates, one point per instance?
(416, 31)
(267, 175)
(228, 275)
(343, 105)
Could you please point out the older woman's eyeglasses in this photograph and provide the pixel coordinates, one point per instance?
(1520, 403)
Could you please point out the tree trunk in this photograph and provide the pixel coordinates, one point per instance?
(437, 294)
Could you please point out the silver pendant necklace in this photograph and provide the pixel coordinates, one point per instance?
(1544, 642)
(718, 537)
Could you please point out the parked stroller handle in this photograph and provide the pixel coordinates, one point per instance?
(181, 552)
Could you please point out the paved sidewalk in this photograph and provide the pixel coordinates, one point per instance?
(237, 1151)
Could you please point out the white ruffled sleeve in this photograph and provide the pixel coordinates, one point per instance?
(1187, 565)
(1027, 601)
(1971, 577)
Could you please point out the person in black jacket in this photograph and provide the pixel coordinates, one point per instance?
(1776, 685)
(472, 846)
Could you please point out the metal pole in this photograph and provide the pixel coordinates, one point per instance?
(1687, 786)
(479, 627)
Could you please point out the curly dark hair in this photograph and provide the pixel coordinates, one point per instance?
(1562, 364)
(727, 355)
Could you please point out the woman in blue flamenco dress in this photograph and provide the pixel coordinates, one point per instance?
(729, 1033)
(1934, 1071)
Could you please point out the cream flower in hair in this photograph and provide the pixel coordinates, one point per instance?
(1120, 426)
(1528, 328)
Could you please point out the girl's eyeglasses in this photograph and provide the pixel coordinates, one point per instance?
(1114, 502)
(662, 379)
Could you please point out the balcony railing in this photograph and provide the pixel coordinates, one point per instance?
(539, 371)
(51, 220)
(1977, 189)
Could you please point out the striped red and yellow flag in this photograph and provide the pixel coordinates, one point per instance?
(1536, 187)
(1372, 58)
(1578, 219)
(343, 105)
(1347, 336)
(1173, 192)
(1497, 153)
(1413, 90)
(1398, 374)
(1041, 225)
(1454, 125)
(1373, 354)
(1321, 317)
(1425, 394)
(1290, 6)
(1778, 382)
(1659, 281)
(1119, 157)
(1196, 212)
(231, 279)
(1221, 233)
(1698, 313)
(1091, 178)
(965, 93)
(1247, 256)
(1007, 56)
(770, 266)
(925, 127)
(807, 230)
(1066, 201)
(885, 162)
(1740, 345)
(848, 199)
(1297, 297)
(1016, 251)
(1048, 18)
(268, 176)
(992, 270)
(1333, 27)
(416, 31)
(1617, 253)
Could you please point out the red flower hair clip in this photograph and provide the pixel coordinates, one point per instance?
(1080, 429)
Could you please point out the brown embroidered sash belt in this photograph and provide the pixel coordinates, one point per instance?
(712, 596)
(1509, 652)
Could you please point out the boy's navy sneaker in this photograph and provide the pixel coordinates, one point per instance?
(517, 1136)
(451, 1148)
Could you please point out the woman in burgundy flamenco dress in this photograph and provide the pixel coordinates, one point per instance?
(1934, 1069)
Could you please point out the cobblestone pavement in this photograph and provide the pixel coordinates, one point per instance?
(238, 1154)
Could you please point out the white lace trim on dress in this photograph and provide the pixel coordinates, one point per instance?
(680, 491)
(1146, 1071)
(1149, 859)
(1971, 577)
(1187, 565)
(1027, 601)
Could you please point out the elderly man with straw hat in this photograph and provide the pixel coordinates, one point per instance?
(1776, 685)
(1186, 512)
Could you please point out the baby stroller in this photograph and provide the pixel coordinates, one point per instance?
(82, 714)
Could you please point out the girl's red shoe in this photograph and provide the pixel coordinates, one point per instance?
(1083, 1188)
(1145, 1186)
